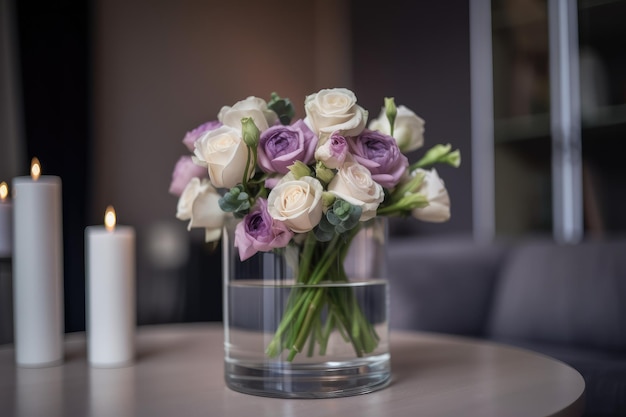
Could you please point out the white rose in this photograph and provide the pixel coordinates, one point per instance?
(225, 154)
(438, 208)
(354, 184)
(199, 203)
(297, 203)
(408, 128)
(333, 110)
(250, 107)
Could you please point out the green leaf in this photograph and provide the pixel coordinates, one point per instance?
(235, 201)
(325, 225)
(323, 235)
(343, 216)
(282, 107)
(332, 218)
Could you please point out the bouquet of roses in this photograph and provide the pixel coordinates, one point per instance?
(311, 183)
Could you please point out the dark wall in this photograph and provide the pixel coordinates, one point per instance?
(54, 58)
(418, 52)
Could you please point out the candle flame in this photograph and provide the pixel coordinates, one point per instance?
(4, 191)
(35, 169)
(109, 218)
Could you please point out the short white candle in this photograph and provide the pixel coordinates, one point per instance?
(111, 316)
(38, 269)
(6, 222)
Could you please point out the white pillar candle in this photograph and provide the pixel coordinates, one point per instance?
(38, 269)
(111, 316)
(6, 222)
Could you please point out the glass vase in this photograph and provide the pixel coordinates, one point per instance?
(309, 320)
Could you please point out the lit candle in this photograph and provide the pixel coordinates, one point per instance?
(111, 316)
(38, 269)
(6, 222)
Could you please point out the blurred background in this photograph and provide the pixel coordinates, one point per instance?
(102, 92)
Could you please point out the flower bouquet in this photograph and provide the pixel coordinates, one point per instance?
(309, 184)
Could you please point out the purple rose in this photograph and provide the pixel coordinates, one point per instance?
(184, 171)
(280, 146)
(380, 154)
(192, 136)
(258, 231)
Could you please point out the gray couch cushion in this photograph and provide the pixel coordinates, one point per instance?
(441, 285)
(563, 294)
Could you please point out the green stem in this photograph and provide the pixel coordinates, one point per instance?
(302, 320)
(304, 329)
(307, 295)
(275, 346)
(307, 252)
(325, 332)
(244, 181)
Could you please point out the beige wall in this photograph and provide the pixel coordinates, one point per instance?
(163, 67)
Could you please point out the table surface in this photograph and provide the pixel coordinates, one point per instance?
(179, 372)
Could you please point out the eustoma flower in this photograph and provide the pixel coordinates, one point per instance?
(199, 204)
(333, 110)
(380, 154)
(225, 155)
(280, 146)
(297, 203)
(438, 208)
(258, 231)
(333, 152)
(354, 184)
(408, 128)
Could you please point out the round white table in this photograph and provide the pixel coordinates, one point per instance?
(179, 372)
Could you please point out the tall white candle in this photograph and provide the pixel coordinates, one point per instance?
(111, 316)
(38, 269)
(6, 222)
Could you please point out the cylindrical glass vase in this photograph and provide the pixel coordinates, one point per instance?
(309, 320)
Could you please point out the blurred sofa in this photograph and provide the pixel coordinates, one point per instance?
(565, 301)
